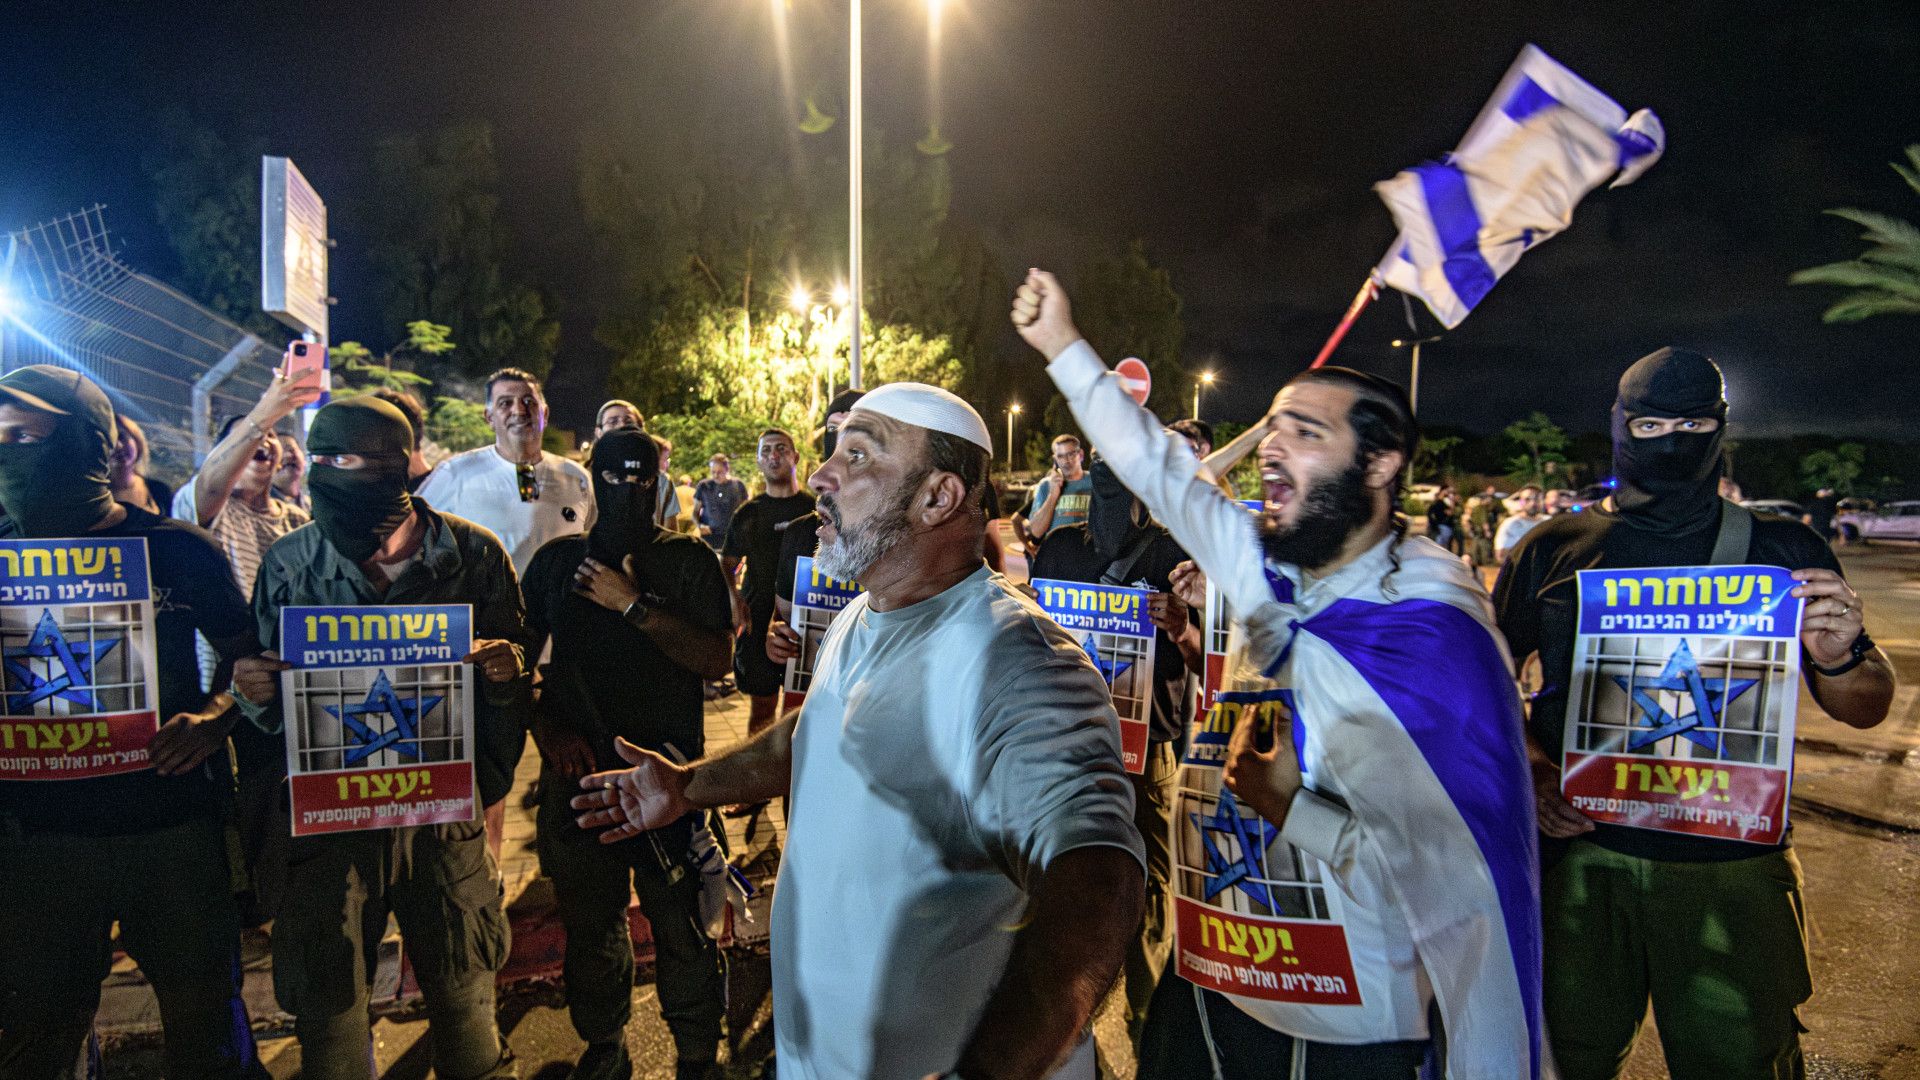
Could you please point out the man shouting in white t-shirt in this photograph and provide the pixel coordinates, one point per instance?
(962, 872)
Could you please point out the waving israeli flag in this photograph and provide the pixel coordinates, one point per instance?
(1545, 139)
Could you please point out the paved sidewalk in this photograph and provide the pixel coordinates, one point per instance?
(129, 1013)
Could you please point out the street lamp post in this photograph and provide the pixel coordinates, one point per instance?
(1206, 379)
(1012, 411)
(1413, 383)
(855, 199)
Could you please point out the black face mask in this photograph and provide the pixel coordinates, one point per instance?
(58, 486)
(1669, 484)
(357, 509)
(623, 520)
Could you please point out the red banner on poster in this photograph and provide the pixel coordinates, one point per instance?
(75, 748)
(1719, 799)
(382, 798)
(1133, 745)
(1270, 959)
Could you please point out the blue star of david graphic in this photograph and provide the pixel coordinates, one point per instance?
(49, 644)
(1109, 669)
(1252, 834)
(381, 699)
(1682, 675)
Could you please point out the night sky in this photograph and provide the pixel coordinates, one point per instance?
(1240, 141)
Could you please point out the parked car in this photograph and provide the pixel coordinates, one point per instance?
(1894, 521)
(1786, 508)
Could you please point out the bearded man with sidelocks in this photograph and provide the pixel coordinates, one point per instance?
(1378, 750)
(962, 872)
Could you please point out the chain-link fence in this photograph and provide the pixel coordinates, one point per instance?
(166, 361)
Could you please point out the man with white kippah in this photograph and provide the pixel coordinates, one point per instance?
(962, 873)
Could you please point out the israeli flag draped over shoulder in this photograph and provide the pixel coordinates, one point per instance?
(1546, 139)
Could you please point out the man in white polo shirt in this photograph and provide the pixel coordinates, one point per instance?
(525, 495)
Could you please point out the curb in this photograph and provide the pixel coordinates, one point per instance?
(1851, 817)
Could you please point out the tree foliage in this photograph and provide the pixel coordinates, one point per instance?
(1837, 468)
(1126, 307)
(710, 252)
(1884, 279)
(206, 196)
(1433, 459)
(440, 251)
(1538, 442)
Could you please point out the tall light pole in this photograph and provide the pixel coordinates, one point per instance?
(1206, 379)
(1413, 384)
(855, 199)
(1012, 411)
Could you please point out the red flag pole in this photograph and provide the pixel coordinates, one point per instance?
(1366, 295)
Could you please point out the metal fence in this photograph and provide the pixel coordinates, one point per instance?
(166, 361)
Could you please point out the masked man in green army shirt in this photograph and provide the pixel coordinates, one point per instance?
(372, 543)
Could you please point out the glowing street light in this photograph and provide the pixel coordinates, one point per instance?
(1013, 410)
(840, 296)
(800, 298)
(1206, 379)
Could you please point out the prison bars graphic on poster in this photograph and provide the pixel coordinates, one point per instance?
(817, 598)
(77, 644)
(379, 715)
(1253, 915)
(1110, 622)
(1680, 715)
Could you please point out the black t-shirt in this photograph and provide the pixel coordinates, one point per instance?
(608, 678)
(755, 535)
(193, 589)
(1821, 510)
(1537, 604)
(796, 541)
(1068, 554)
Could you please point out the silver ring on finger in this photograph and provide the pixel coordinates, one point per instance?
(1844, 608)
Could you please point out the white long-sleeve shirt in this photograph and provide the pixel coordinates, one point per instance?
(1417, 802)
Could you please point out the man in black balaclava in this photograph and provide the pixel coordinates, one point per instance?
(1121, 544)
(1668, 424)
(639, 617)
(1708, 929)
(145, 848)
(371, 543)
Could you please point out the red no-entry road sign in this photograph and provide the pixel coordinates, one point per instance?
(1139, 380)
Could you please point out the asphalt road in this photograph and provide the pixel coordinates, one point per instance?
(1857, 832)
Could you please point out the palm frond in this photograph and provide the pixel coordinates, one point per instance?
(1867, 303)
(1910, 175)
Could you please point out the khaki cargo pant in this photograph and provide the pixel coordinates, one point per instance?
(441, 883)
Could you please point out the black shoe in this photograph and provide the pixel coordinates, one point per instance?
(603, 1061)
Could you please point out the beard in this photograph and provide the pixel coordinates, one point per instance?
(855, 549)
(1333, 509)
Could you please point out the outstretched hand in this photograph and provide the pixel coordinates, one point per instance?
(1043, 316)
(627, 802)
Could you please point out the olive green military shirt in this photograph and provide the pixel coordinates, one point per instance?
(460, 563)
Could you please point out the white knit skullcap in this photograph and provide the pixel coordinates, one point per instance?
(929, 407)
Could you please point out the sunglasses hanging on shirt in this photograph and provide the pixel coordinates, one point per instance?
(529, 486)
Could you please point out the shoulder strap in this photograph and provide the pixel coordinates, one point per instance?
(1736, 532)
(1122, 568)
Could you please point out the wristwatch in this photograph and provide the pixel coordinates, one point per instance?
(1862, 645)
(638, 614)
